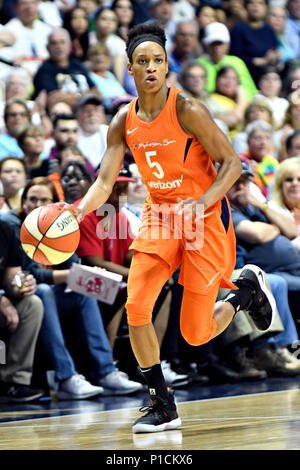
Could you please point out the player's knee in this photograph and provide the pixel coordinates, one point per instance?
(196, 338)
(138, 315)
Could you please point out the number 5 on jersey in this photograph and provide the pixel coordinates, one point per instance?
(160, 174)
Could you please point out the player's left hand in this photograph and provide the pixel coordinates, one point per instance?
(189, 208)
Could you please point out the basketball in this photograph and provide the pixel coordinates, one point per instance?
(50, 234)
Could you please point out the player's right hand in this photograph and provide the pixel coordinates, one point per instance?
(189, 208)
(76, 211)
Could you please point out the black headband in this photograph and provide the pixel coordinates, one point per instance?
(143, 38)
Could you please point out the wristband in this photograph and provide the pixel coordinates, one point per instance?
(265, 206)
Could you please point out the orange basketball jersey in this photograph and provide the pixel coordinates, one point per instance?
(172, 163)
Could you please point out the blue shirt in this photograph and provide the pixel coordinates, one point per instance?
(275, 255)
(292, 35)
(73, 78)
(175, 62)
(248, 42)
(9, 146)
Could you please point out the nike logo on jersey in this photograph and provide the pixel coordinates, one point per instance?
(131, 130)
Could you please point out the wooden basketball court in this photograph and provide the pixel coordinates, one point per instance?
(258, 421)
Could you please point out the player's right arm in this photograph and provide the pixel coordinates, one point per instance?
(110, 167)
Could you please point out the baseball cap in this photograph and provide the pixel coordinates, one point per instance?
(116, 103)
(216, 32)
(245, 169)
(125, 175)
(88, 99)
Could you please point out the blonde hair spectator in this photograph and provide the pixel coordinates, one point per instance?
(284, 171)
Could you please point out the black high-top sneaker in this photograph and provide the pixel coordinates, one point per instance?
(261, 306)
(161, 415)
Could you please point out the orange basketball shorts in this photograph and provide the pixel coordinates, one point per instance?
(147, 276)
(202, 272)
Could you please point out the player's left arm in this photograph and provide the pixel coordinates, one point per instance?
(195, 120)
(111, 163)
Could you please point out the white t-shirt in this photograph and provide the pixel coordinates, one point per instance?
(93, 146)
(278, 106)
(31, 43)
(50, 14)
(133, 218)
(183, 11)
(114, 44)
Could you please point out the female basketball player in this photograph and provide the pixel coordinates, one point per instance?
(174, 143)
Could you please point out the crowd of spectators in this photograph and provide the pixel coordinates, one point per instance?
(63, 77)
